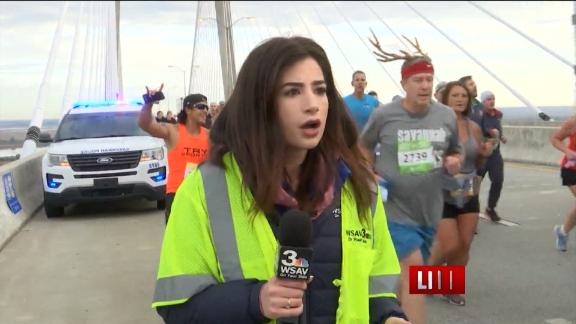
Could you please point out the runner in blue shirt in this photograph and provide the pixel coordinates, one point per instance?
(359, 103)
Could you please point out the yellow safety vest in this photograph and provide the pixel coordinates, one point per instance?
(210, 239)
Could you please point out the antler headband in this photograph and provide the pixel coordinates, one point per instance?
(420, 67)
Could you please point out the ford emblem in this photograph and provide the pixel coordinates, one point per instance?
(104, 160)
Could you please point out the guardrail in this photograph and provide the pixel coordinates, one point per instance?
(530, 144)
(21, 193)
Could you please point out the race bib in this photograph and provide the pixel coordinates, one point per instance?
(416, 157)
(190, 167)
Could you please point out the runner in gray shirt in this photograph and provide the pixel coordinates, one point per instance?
(418, 147)
(412, 150)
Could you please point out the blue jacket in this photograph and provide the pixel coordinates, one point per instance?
(491, 121)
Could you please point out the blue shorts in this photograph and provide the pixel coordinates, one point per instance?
(407, 238)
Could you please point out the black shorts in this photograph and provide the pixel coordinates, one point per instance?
(568, 177)
(452, 211)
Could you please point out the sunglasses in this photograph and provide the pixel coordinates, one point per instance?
(200, 106)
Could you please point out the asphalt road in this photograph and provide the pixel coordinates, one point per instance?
(515, 275)
(98, 263)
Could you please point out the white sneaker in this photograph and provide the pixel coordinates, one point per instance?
(561, 239)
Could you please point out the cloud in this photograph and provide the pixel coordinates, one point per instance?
(157, 34)
(24, 13)
(159, 12)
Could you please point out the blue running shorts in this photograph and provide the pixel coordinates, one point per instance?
(407, 238)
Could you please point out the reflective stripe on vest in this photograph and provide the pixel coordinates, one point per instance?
(181, 287)
(382, 284)
(221, 222)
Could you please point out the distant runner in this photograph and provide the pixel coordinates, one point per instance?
(568, 174)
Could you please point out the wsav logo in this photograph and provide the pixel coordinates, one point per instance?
(294, 262)
(445, 280)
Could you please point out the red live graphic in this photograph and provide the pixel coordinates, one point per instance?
(446, 280)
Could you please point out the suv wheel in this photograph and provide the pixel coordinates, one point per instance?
(53, 211)
(161, 204)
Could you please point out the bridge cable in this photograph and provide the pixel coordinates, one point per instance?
(243, 41)
(96, 66)
(387, 26)
(196, 23)
(111, 75)
(380, 64)
(549, 51)
(276, 25)
(541, 114)
(33, 133)
(304, 23)
(102, 53)
(39, 112)
(66, 101)
(217, 72)
(218, 66)
(261, 32)
(95, 51)
(91, 52)
(106, 24)
(87, 35)
(333, 39)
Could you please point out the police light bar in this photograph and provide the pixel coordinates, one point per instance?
(105, 103)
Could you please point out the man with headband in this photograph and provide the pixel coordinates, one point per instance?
(419, 149)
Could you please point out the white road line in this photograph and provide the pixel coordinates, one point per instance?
(536, 167)
(547, 192)
(558, 321)
(501, 221)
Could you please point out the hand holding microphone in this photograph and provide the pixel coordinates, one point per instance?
(282, 296)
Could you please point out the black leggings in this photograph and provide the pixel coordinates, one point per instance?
(495, 168)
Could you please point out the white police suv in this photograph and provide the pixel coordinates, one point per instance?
(99, 154)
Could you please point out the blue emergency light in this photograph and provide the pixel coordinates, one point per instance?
(50, 180)
(104, 103)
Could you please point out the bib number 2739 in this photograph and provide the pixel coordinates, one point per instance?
(415, 157)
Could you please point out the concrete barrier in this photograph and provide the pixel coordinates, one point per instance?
(530, 144)
(22, 194)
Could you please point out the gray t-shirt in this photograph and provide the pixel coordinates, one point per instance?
(412, 147)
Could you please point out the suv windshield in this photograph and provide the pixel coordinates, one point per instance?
(110, 124)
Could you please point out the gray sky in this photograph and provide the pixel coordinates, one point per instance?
(157, 34)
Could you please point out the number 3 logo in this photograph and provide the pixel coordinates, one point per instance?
(291, 256)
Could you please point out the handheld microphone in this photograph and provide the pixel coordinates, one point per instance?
(295, 254)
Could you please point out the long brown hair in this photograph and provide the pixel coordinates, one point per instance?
(248, 127)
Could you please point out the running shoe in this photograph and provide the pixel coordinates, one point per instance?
(561, 239)
(458, 300)
(492, 214)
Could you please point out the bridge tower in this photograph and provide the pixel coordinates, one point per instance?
(226, 41)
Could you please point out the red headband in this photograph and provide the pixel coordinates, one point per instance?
(420, 67)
